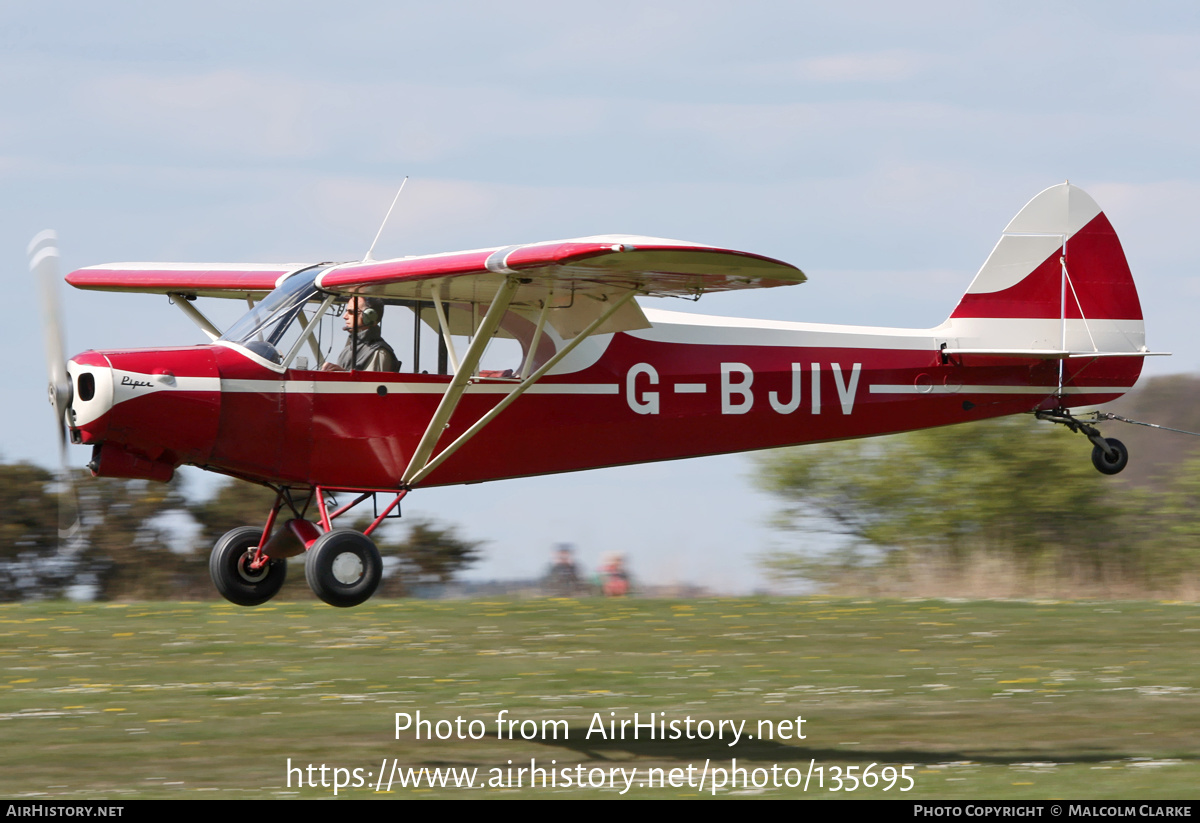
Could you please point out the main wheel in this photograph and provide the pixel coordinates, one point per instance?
(1110, 464)
(343, 567)
(229, 565)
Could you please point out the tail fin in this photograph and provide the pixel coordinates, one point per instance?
(1056, 287)
(1059, 257)
(1059, 260)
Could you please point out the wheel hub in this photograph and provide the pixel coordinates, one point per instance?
(249, 574)
(347, 568)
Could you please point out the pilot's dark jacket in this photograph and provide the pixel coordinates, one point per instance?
(374, 354)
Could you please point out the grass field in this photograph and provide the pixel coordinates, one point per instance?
(981, 699)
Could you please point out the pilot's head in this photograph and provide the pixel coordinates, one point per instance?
(368, 309)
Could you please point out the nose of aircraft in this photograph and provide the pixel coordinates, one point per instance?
(90, 396)
(144, 412)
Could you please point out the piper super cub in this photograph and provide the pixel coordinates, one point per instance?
(1051, 321)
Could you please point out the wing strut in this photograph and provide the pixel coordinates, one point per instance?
(462, 377)
(412, 477)
(443, 326)
(537, 332)
(195, 315)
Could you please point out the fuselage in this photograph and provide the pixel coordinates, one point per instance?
(688, 386)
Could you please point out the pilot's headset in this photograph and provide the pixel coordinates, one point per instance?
(369, 316)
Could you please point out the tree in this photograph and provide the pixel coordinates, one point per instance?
(29, 562)
(1014, 488)
(128, 542)
(236, 503)
(430, 554)
(1171, 539)
(123, 547)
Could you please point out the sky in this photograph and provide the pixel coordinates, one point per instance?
(880, 147)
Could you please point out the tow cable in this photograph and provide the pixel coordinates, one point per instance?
(1098, 416)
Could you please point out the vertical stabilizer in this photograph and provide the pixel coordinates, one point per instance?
(1058, 258)
(1056, 287)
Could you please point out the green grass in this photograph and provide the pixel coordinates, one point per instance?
(983, 699)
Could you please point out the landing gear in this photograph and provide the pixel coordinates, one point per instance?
(343, 567)
(1112, 461)
(1109, 455)
(232, 574)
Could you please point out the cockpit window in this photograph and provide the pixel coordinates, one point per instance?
(275, 330)
(262, 329)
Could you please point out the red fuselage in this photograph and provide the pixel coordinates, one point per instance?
(689, 386)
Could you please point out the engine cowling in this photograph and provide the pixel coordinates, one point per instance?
(145, 411)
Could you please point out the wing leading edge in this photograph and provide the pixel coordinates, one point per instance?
(236, 280)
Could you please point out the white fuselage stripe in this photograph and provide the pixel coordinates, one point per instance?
(308, 387)
(301, 386)
(1109, 335)
(909, 388)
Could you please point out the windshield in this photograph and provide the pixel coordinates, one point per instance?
(263, 328)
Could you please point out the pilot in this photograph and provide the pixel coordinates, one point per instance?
(367, 349)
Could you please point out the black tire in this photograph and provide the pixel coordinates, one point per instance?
(1114, 464)
(343, 567)
(229, 566)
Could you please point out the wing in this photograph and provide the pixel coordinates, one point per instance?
(576, 277)
(236, 280)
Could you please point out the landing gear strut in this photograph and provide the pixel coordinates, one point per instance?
(1109, 455)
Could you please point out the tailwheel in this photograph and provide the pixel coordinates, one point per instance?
(1113, 460)
(343, 567)
(1109, 455)
(232, 574)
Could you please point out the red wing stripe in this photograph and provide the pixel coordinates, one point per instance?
(506, 259)
(198, 278)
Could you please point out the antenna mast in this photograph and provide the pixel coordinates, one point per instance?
(367, 258)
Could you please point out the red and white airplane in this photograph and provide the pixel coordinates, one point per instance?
(1052, 321)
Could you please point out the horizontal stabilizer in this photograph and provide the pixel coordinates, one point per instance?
(1052, 354)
